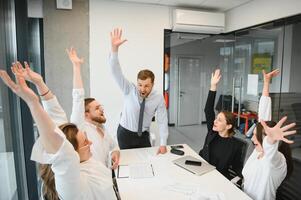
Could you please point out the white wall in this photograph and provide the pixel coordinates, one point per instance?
(143, 27)
(260, 11)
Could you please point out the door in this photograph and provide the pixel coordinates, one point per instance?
(189, 91)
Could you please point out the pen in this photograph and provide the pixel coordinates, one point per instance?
(153, 170)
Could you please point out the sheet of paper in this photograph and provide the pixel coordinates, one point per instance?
(141, 170)
(194, 192)
(185, 189)
(123, 171)
(252, 88)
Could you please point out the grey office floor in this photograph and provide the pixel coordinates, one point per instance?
(193, 135)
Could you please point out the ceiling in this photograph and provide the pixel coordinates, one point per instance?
(214, 5)
(209, 5)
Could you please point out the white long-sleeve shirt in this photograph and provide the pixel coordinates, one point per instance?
(101, 146)
(263, 176)
(89, 180)
(154, 103)
(55, 111)
(265, 109)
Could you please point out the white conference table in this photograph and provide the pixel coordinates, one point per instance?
(170, 181)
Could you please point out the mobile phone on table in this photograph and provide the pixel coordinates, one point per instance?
(177, 152)
(192, 162)
(177, 146)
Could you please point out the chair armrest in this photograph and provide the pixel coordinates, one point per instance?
(237, 181)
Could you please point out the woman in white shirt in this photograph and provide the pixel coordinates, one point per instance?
(67, 150)
(271, 160)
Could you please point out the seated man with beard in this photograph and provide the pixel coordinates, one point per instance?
(89, 116)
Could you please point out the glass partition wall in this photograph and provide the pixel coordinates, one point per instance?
(268, 47)
(241, 56)
(20, 39)
(12, 174)
(245, 54)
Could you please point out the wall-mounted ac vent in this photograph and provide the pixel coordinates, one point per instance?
(198, 21)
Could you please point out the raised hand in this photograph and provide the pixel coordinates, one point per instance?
(116, 40)
(51, 141)
(215, 78)
(20, 88)
(268, 76)
(26, 73)
(278, 132)
(73, 57)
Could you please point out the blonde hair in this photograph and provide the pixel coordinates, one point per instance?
(49, 192)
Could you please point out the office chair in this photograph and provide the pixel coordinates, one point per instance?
(297, 110)
(235, 169)
(225, 103)
(297, 138)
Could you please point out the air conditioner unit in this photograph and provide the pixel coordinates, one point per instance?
(198, 21)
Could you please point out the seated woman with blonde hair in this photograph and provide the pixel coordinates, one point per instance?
(66, 150)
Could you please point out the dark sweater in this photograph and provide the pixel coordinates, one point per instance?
(218, 151)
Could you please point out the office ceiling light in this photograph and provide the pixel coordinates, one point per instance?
(224, 40)
(182, 36)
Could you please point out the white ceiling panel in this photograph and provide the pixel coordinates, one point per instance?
(140, 1)
(189, 3)
(168, 2)
(223, 5)
(217, 5)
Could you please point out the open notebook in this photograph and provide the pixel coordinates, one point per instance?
(198, 170)
(135, 171)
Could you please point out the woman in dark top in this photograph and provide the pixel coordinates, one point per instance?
(220, 148)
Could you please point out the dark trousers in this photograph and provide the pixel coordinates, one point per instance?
(129, 140)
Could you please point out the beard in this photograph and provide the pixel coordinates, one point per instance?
(99, 119)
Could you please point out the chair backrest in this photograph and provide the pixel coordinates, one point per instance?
(236, 167)
(297, 110)
(296, 107)
(225, 103)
